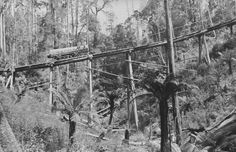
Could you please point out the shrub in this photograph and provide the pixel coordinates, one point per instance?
(33, 124)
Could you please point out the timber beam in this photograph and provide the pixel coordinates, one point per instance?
(125, 50)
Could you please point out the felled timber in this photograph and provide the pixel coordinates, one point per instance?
(67, 52)
(221, 133)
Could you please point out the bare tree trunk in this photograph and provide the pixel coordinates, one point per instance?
(76, 21)
(34, 29)
(72, 127)
(170, 46)
(1, 35)
(13, 46)
(4, 38)
(31, 28)
(210, 18)
(128, 105)
(90, 76)
(207, 50)
(165, 144)
(132, 89)
(53, 17)
(7, 137)
(200, 50)
(112, 110)
(68, 37)
(29, 35)
(72, 18)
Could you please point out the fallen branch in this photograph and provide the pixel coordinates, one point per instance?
(219, 133)
(220, 122)
(209, 99)
(97, 136)
(194, 130)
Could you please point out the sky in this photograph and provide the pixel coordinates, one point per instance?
(121, 9)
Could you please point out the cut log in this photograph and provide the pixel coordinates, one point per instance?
(220, 133)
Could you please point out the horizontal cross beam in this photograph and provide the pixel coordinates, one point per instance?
(121, 51)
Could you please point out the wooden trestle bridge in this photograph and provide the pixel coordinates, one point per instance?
(90, 57)
(198, 34)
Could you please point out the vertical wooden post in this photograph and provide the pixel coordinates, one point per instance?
(207, 51)
(176, 115)
(67, 72)
(231, 30)
(12, 79)
(90, 82)
(50, 86)
(167, 58)
(128, 94)
(159, 34)
(134, 107)
(8, 81)
(128, 105)
(200, 49)
(58, 76)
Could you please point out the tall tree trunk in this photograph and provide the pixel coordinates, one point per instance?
(76, 21)
(132, 89)
(30, 34)
(72, 127)
(31, 29)
(111, 116)
(13, 45)
(208, 59)
(72, 18)
(68, 37)
(112, 110)
(4, 38)
(53, 18)
(165, 144)
(128, 104)
(170, 46)
(95, 36)
(7, 138)
(1, 35)
(34, 28)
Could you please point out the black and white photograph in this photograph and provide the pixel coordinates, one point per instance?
(117, 75)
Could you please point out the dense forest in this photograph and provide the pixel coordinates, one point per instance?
(170, 87)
